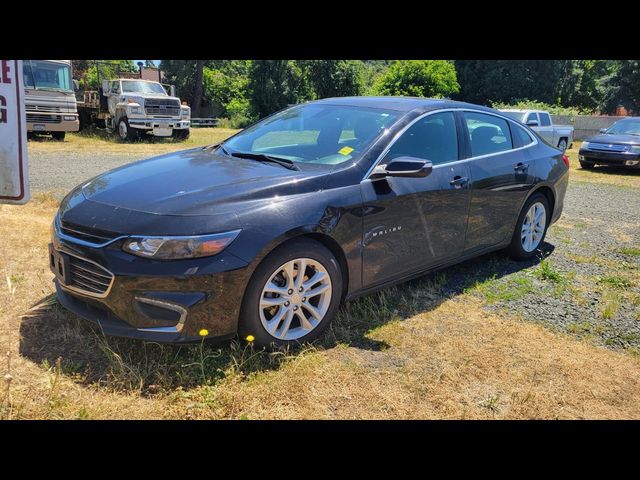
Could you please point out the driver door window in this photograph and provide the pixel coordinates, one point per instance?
(432, 138)
(115, 87)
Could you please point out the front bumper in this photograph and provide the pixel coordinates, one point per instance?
(61, 126)
(152, 300)
(622, 159)
(149, 123)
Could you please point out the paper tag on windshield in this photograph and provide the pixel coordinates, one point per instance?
(345, 150)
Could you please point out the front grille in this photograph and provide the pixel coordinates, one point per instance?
(43, 118)
(608, 147)
(87, 234)
(88, 277)
(162, 108)
(42, 108)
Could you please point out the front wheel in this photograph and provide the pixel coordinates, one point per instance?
(181, 134)
(293, 295)
(587, 165)
(58, 136)
(562, 145)
(531, 227)
(125, 132)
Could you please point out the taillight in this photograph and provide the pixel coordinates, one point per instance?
(565, 159)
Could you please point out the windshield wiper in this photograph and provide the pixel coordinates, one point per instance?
(261, 157)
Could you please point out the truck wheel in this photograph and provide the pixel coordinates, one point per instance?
(587, 165)
(125, 132)
(58, 136)
(562, 144)
(181, 134)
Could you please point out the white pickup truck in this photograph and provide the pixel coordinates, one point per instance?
(560, 136)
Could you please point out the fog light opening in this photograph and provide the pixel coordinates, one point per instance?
(631, 163)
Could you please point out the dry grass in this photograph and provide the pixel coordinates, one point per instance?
(404, 353)
(98, 140)
(607, 175)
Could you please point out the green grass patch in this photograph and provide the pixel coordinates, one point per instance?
(630, 251)
(493, 290)
(615, 281)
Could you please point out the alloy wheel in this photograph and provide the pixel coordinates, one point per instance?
(533, 227)
(295, 299)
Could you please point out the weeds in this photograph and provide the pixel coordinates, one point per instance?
(546, 271)
(630, 251)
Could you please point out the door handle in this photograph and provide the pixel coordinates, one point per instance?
(459, 182)
(521, 167)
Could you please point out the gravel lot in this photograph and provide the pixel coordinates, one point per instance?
(586, 287)
(59, 173)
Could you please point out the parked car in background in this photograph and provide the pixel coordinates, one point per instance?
(268, 232)
(617, 145)
(540, 121)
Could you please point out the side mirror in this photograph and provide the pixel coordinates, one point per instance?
(403, 167)
(532, 123)
(76, 85)
(172, 90)
(603, 130)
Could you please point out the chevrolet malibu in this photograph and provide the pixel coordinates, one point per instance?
(266, 233)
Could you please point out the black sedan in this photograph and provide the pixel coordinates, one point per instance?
(268, 232)
(617, 145)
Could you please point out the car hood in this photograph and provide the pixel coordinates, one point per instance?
(616, 139)
(199, 182)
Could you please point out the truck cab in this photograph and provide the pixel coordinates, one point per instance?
(559, 136)
(50, 103)
(137, 107)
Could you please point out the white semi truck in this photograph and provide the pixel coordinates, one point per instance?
(50, 103)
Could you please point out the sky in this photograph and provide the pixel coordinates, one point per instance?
(157, 62)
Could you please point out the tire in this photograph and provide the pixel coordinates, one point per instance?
(125, 132)
(58, 136)
(255, 318)
(562, 144)
(520, 249)
(181, 134)
(587, 165)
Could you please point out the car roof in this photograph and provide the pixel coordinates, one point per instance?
(401, 104)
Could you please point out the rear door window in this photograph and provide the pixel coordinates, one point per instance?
(545, 120)
(487, 134)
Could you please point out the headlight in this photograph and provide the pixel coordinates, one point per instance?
(68, 118)
(185, 112)
(134, 109)
(634, 149)
(584, 145)
(177, 248)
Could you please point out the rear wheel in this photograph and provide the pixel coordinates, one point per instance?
(58, 136)
(587, 165)
(292, 296)
(562, 144)
(531, 227)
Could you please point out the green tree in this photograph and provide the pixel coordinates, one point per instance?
(622, 86)
(226, 89)
(335, 78)
(91, 73)
(274, 84)
(419, 78)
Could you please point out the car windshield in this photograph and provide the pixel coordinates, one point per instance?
(138, 86)
(46, 75)
(314, 133)
(625, 127)
(515, 115)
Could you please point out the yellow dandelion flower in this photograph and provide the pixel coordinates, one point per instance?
(204, 332)
(250, 338)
